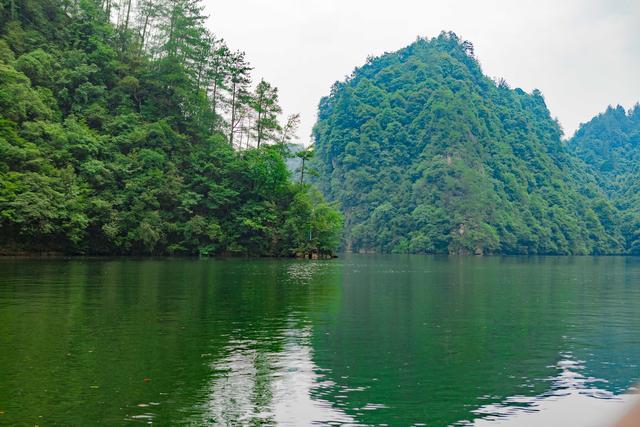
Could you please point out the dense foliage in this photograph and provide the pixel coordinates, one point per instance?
(428, 155)
(127, 128)
(610, 145)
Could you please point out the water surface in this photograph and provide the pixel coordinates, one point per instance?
(365, 339)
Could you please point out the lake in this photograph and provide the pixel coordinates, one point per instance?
(364, 339)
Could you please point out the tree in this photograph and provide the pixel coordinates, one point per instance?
(265, 104)
(148, 12)
(218, 73)
(304, 155)
(184, 31)
(290, 129)
(239, 87)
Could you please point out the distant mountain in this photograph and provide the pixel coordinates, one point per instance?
(293, 162)
(426, 154)
(610, 146)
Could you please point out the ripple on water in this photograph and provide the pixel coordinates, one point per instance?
(573, 399)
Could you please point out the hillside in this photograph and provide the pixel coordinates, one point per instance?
(609, 144)
(128, 128)
(426, 154)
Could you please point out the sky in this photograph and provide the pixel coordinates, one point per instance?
(582, 54)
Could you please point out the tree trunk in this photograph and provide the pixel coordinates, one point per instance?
(170, 42)
(259, 131)
(233, 113)
(144, 33)
(258, 126)
(215, 93)
(126, 22)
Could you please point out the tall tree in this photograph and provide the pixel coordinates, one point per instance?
(148, 12)
(265, 104)
(305, 155)
(239, 81)
(290, 129)
(184, 31)
(218, 73)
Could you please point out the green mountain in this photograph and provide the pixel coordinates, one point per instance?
(142, 137)
(609, 145)
(426, 154)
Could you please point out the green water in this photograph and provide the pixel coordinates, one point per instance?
(363, 339)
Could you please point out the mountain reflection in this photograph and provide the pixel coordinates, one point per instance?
(361, 340)
(432, 339)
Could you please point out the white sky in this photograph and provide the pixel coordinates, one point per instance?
(582, 54)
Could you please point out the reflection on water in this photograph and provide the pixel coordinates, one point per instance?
(572, 399)
(434, 339)
(253, 387)
(365, 340)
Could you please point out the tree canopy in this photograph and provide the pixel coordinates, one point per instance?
(609, 144)
(126, 127)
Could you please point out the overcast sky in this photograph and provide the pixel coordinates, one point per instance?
(582, 54)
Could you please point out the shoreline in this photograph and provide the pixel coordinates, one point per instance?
(57, 255)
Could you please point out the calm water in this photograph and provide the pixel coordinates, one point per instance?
(363, 340)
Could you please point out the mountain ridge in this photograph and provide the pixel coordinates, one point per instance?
(426, 154)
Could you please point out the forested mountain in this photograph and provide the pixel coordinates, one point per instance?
(428, 155)
(610, 145)
(128, 128)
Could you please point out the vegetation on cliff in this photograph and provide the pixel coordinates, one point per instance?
(609, 144)
(426, 154)
(128, 128)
